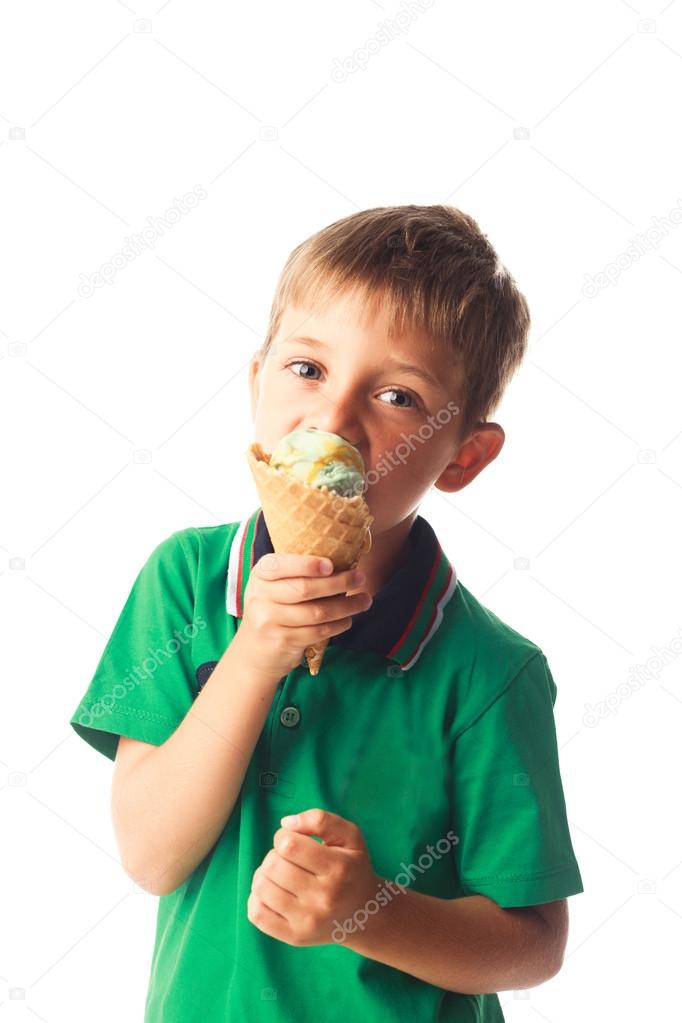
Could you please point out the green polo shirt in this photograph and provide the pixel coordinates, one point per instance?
(430, 725)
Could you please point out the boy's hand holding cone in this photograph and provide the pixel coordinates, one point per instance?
(302, 487)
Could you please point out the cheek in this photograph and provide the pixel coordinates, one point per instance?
(415, 452)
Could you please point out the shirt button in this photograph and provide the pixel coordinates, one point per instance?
(290, 717)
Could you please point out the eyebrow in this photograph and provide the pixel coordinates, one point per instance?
(409, 367)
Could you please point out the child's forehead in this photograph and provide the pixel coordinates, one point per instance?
(369, 320)
(341, 310)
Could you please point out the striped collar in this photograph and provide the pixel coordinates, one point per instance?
(406, 611)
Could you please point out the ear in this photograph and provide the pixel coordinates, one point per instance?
(255, 367)
(481, 447)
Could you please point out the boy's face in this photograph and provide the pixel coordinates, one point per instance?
(350, 384)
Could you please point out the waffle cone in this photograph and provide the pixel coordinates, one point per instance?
(309, 520)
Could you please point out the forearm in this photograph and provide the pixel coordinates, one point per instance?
(470, 944)
(171, 808)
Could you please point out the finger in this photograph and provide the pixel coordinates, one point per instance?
(297, 589)
(302, 851)
(273, 896)
(282, 566)
(309, 614)
(266, 919)
(291, 876)
(331, 827)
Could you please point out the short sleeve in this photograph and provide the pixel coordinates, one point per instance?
(143, 684)
(513, 843)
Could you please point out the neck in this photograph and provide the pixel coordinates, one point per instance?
(387, 554)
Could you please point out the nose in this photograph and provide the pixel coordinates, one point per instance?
(332, 429)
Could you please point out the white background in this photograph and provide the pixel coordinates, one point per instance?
(557, 127)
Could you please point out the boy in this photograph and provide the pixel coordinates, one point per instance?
(431, 861)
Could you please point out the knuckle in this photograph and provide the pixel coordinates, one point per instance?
(326, 904)
(318, 612)
(316, 817)
(258, 614)
(284, 840)
(336, 877)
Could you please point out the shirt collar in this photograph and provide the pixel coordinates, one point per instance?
(406, 612)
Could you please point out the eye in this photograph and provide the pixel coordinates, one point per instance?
(407, 394)
(302, 362)
(391, 390)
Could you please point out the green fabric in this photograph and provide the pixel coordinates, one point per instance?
(462, 742)
(143, 684)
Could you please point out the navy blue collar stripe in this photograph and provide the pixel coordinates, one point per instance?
(406, 611)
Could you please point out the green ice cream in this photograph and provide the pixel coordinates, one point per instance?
(319, 458)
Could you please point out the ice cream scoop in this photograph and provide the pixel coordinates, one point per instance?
(319, 459)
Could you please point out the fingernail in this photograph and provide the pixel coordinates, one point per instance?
(291, 821)
(358, 577)
(326, 567)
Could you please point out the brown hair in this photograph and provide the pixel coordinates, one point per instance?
(438, 275)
